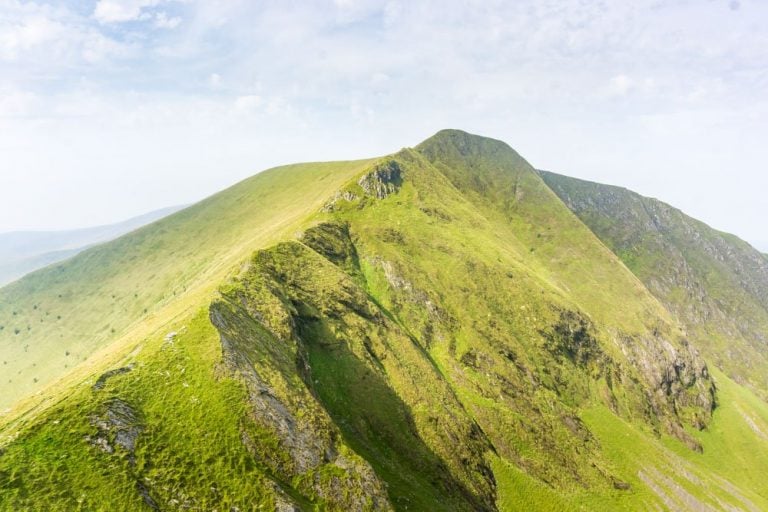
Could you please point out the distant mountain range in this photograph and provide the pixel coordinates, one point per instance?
(22, 252)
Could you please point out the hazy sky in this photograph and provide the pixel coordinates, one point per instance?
(112, 108)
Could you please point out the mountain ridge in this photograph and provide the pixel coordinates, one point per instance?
(433, 329)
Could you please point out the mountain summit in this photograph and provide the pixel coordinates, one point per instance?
(444, 328)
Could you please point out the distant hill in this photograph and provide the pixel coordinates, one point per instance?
(22, 252)
(431, 330)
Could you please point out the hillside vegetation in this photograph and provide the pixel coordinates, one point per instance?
(714, 282)
(54, 319)
(430, 330)
(22, 252)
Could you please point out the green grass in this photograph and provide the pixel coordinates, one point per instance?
(519, 491)
(730, 471)
(443, 323)
(189, 449)
(737, 441)
(716, 283)
(65, 313)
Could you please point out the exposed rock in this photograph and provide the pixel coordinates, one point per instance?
(342, 195)
(119, 426)
(677, 375)
(283, 505)
(332, 240)
(102, 380)
(571, 338)
(307, 439)
(621, 486)
(307, 450)
(383, 180)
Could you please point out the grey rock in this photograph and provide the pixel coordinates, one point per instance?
(102, 380)
(383, 180)
(119, 426)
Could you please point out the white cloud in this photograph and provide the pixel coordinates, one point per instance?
(248, 102)
(577, 85)
(162, 20)
(113, 11)
(214, 80)
(42, 40)
(619, 85)
(29, 33)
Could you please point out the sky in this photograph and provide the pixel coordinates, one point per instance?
(112, 108)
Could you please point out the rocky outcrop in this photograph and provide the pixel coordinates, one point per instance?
(294, 309)
(341, 196)
(385, 179)
(103, 378)
(680, 384)
(332, 240)
(572, 338)
(289, 433)
(382, 180)
(307, 448)
(716, 284)
(118, 426)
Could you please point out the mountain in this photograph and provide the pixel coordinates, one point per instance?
(429, 330)
(714, 282)
(22, 252)
(57, 317)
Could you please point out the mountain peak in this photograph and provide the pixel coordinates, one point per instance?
(464, 143)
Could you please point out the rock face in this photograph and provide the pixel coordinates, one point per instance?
(383, 180)
(281, 408)
(305, 312)
(679, 380)
(340, 196)
(677, 377)
(119, 426)
(715, 283)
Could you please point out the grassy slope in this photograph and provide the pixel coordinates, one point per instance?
(191, 445)
(24, 252)
(467, 260)
(728, 474)
(479, 286)
(378, 386)
(507, 190)
(716, 283)
(55, 318)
